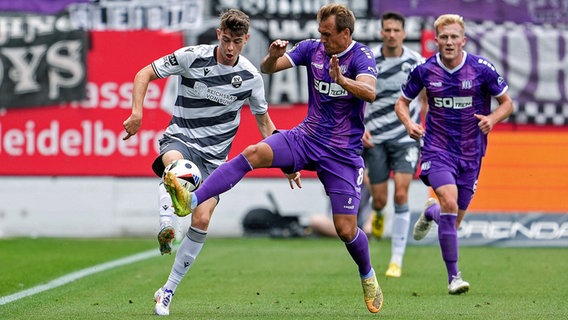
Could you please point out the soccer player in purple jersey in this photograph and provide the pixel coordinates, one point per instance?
(459, 87)
(341, 76)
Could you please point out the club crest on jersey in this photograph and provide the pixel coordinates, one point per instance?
(237, 81)
(467, 84)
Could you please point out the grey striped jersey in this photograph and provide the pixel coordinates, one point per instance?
(380, 118)
(207, 111)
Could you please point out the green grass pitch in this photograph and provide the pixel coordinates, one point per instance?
(262, 278)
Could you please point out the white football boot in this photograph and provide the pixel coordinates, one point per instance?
(163, 298)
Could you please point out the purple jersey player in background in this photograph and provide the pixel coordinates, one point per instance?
(459, 87)
(341, 77)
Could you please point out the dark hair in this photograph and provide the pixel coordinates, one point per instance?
(236, 21)
(392, 16)
(344, 18)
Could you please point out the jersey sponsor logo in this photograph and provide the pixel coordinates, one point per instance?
(237, 81)
(436, 84)
(453, 102)
(317, 65)
(170, 60)
(204, 92)
(331, 89)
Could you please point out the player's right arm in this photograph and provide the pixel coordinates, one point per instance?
(141, 81)
(275, 60)
(402, 109)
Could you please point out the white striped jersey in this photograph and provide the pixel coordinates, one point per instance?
(380, 118)
(207, 110)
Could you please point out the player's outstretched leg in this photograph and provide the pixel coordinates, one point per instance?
(424, 223)
(372, 293)
(458, 285)
(181, 198)
(165, 238)
(163, 298)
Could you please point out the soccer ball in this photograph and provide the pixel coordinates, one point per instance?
(187, 173)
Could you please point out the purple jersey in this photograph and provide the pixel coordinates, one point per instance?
(335, 117)
(454, 96)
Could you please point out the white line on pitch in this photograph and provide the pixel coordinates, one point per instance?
(78, 275)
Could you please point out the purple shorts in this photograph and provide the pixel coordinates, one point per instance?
(339, 170)
(440, 168)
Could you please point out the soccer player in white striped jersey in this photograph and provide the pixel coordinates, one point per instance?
(214, 83)
(388, 148)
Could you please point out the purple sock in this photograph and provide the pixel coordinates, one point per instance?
(358, 248)
(225, 177)
(448, 237)
(433, 213)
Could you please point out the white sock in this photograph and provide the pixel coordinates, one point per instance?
(400, 226)
(186, 254)
(166, 209)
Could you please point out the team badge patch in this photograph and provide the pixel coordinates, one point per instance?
(237, 81)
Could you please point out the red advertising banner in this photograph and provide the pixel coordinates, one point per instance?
(85, 138)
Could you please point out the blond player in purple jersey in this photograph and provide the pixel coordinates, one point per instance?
(341, 77)
(459, 87)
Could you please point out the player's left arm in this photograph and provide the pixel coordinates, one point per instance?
(362, 87)
(265, 124)
(501, 113)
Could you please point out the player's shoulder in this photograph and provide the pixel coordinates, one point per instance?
(363, 49)
(198, 51)
(422, 63)
(377, 51)
(480, 62)
(412, 54)
(306, 44)
(246, 64)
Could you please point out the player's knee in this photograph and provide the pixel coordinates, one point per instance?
(400, 196)
(200, 221)
(379, 203)
(258, 155)
(346, 234)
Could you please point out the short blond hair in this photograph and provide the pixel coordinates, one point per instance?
(447, 19)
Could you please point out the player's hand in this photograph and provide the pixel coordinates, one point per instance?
(367, 140)
(277, 48)
(294, 178)
(485, 123)
(132, 125)
(334, 71)
(415, 131)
